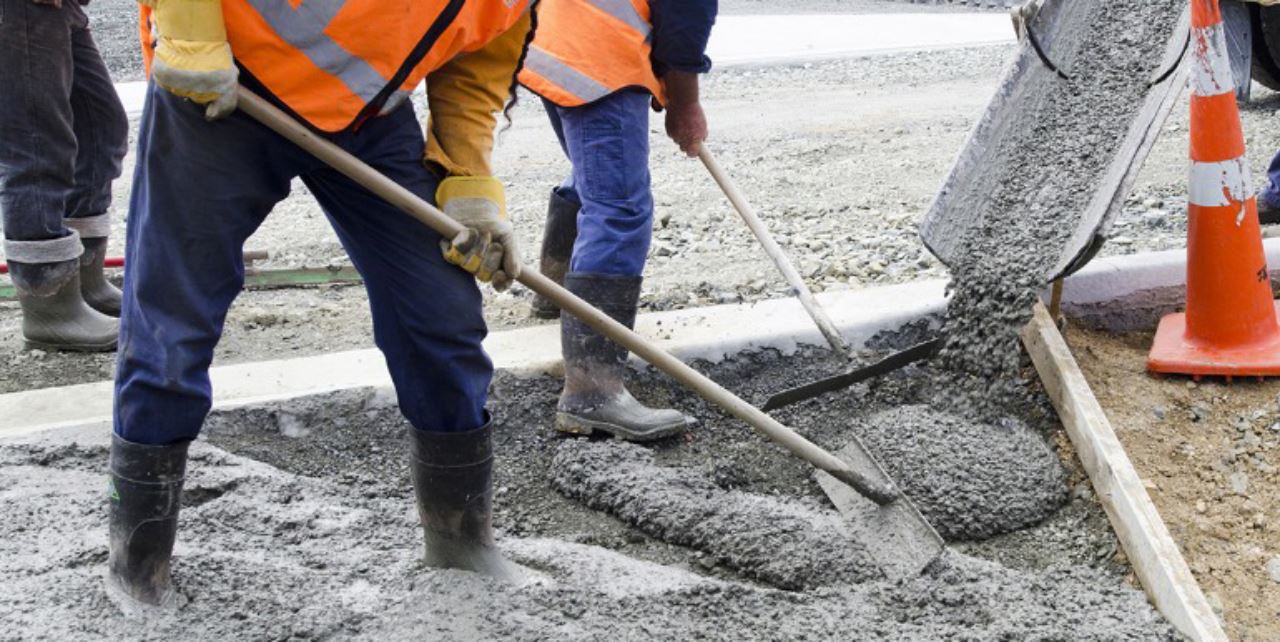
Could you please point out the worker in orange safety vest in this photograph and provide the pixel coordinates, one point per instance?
(598, 66)
(207, 177)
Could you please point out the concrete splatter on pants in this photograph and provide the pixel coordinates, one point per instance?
(202, 188)
(608, 143)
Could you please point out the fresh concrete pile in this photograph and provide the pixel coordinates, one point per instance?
(971, 480)
(779, 542)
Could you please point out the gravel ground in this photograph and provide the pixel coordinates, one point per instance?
(840, 159)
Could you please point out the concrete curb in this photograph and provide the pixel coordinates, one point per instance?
(1120, 294)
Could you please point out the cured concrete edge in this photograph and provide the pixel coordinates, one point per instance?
(1120, 293)
(1147, 543)
(711, 334)
(1131, 293)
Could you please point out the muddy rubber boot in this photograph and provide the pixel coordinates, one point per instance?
(54, 313)
(453, 481)
(594, 396)
(558, 236)
(145, 494)
(98, 292)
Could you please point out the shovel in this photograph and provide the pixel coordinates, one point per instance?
(886, 522)
(811, 305)
(789, 272)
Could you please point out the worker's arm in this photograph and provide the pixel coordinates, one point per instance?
(464, 98)
(681, 29)
(192, 57)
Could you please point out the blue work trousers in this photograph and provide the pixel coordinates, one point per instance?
(202, 188)
(608, 144)
(1271, 193)
(63, 131)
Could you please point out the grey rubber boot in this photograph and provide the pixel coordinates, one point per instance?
(558, 235)
(98, 292)
(145, 494)
(453, 481)
(594, 396)
(54, 313)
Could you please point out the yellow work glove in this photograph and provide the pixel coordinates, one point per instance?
(192, 57)
(487, 248)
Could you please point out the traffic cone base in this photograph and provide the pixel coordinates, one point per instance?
(1174, 352)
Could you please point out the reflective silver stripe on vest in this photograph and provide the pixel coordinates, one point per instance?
(304, 29)
(566, 77)
(626, 12)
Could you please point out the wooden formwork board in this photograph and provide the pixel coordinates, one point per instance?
(1155, 557)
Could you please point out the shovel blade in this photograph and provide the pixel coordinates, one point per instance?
(896, 535)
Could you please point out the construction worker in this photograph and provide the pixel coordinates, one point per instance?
(208, 176)
(63, 134)
(598, 65)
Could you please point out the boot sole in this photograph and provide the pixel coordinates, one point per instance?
(69, 347)
(574, 425)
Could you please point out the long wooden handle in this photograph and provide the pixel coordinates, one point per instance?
(393, 193)
(789, 272)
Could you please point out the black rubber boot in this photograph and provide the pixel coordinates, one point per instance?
(145, 494)
(54, 313)
(595, 397)
(558, 236)
(98, 292)
(453, 480)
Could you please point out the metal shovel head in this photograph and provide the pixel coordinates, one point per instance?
(897, 537)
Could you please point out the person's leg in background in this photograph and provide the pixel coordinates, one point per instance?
(102, 133)
(37, 177)
(608, 144)
(560, 230)
(1269, 196)
(184, 266)
(428, 321)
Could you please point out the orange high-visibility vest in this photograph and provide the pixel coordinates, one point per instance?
(335, 63)
(585, 50)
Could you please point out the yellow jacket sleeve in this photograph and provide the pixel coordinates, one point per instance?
(464, 98)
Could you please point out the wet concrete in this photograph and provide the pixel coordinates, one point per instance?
(782, 543)
(268, 554)
(298, 523)
(971, 480)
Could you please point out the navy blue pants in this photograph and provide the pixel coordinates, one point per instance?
(63, 131)
(202, 188)
(1271, 193)
(608, 144)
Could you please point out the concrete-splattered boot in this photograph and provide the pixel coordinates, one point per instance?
(145, 494)
(55, 315)
(594, 396)
(558, 236)
(98, 292)
(453, 481)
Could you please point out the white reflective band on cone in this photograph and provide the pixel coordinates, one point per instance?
(1220, 185)
(1210, 66)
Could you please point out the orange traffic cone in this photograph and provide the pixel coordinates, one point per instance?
(1230, 327)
